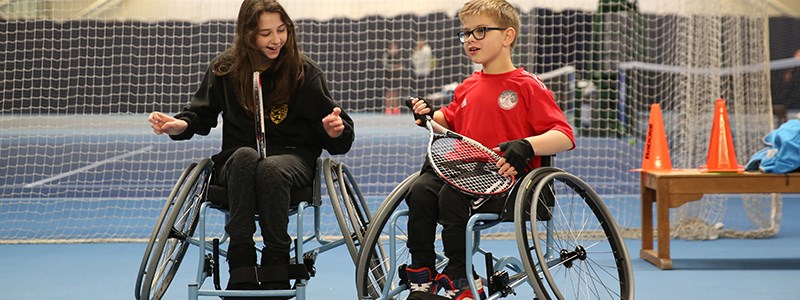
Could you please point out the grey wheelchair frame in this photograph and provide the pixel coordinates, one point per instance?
(188, 206)
(568, 242)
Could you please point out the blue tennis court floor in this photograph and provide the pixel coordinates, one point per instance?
(719, 269)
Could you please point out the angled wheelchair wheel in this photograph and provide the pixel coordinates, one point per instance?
(174, 233)
(161, 219)
(384, 249)
(349, 205)
(568, 240)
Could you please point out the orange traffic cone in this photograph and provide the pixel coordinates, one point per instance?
(656, 151)
(721, 154)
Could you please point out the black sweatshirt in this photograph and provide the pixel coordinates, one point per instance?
(297, 130)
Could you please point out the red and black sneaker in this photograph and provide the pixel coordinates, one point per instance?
(459, 289)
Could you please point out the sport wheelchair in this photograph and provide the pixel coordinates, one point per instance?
(568, 242)
(188, 206)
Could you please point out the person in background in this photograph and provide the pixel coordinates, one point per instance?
(423, 63)
(393, 72)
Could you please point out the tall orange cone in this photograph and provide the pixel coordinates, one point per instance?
(721, 154)
(656, 151)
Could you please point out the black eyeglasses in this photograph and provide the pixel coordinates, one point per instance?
(478, 33)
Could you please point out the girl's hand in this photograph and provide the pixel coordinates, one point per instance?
(162, 124)
(333, 124)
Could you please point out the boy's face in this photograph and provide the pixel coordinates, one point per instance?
(490, 47)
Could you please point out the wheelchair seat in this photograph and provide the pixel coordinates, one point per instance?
(217, 196)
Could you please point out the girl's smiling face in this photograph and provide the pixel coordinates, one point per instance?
(271, 35)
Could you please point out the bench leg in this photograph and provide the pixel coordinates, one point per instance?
(660, 259)
(647, 221)
(663, 230)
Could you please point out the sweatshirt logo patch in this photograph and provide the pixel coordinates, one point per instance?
(278, 113)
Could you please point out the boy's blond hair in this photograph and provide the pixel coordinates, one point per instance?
(500, 11)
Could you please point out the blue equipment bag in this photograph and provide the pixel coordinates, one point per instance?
(782, 154)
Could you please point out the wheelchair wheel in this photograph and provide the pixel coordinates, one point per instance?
(174, 233)
(382, 253)
(161, 219)
(568, 240)
(348, 204)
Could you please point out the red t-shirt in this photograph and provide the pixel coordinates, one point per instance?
(495, 108)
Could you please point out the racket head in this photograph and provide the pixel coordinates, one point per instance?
(258, 100)
(466, 164)
(463, 162)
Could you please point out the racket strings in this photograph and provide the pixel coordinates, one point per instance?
(468, 167)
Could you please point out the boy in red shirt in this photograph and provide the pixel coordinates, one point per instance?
(502, 107)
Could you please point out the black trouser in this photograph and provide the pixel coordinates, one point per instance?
(430, 201)
(260, 186)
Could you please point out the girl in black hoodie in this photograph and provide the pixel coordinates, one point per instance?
(301, 119)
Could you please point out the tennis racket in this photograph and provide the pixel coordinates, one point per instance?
(463, 162)
(258, 97)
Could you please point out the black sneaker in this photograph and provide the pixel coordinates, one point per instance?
(243, 279)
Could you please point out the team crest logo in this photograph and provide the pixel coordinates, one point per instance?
(507, 99)
(278, 113)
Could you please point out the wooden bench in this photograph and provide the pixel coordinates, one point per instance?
(671, 189)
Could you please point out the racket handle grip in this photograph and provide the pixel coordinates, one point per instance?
(410, 104)
(422, 118)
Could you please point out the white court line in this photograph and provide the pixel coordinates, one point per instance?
(779, 64)
(92, 166)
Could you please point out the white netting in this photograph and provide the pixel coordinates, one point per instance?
(79, 77)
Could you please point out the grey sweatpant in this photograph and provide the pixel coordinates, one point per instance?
(260, 186)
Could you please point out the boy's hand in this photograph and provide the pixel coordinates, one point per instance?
(419, 107)
(516, 153)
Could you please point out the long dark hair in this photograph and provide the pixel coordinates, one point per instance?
(243, 57)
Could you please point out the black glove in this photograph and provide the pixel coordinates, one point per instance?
(517, 153)
(418, 116)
